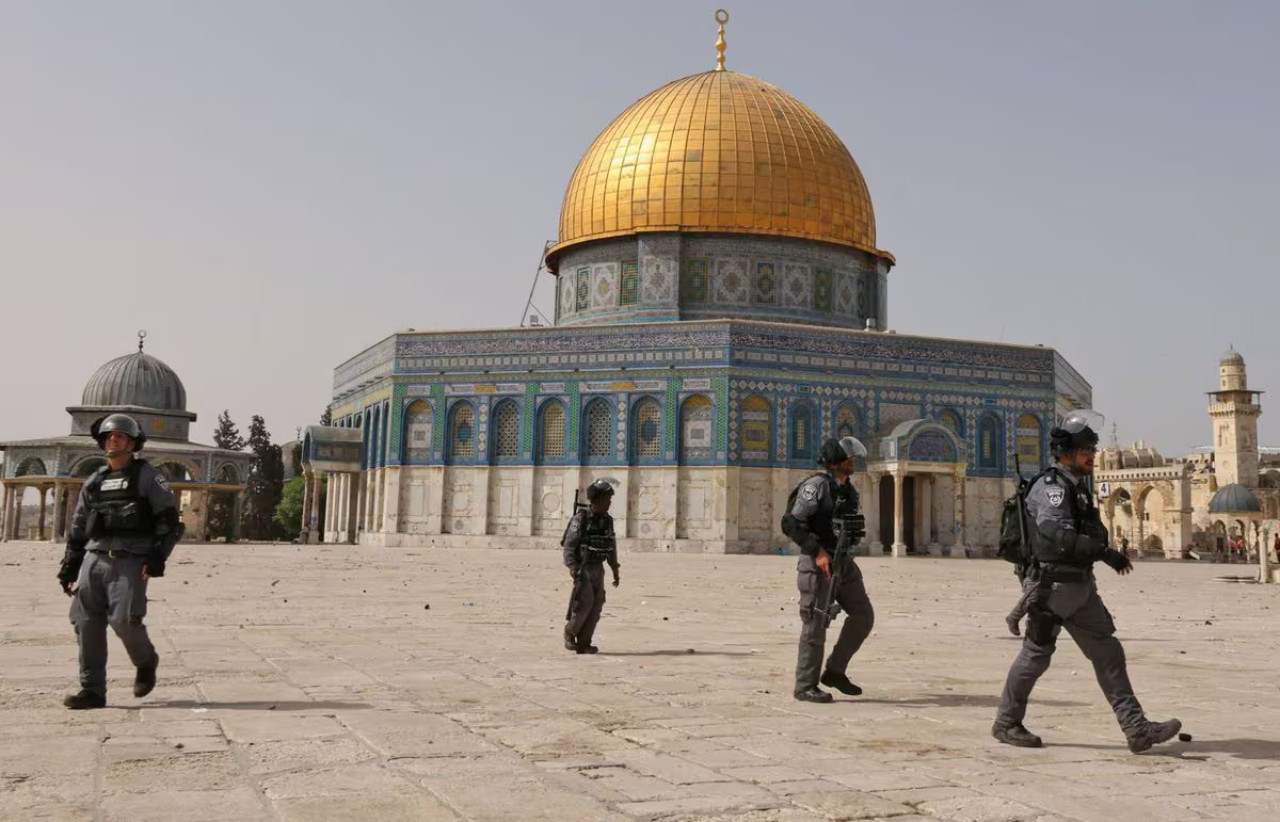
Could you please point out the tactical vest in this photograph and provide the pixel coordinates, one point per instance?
(117, 508)
(597, 538)
(1079, 502)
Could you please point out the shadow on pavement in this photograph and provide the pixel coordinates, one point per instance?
(675, 652)
(959, 700)
(1268, 749)
(265, 705)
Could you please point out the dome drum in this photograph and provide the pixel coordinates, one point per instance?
(672, 276)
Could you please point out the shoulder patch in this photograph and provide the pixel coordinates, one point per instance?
(161, 481)
(1055, 495)
(809, 491)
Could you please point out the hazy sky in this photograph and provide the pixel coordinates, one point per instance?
(269, 187)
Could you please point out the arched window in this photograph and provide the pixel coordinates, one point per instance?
(802, 433)
(757, 420)
(419, 432)
(695, 429)
(952, 420)
(506, 431)
(990, 445)
(646, 430)
(551, 431)
(462, 433)
(1029, 440)
(599, 431)
(848, 421)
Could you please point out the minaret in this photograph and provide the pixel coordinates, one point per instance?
(1234, 410)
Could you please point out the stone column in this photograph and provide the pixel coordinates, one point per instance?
(19, 492)
(313, 511)
(5, 516)
(959, 547)
(59, 512)
(237, 509)
(899, 547)
(871, 510)
(73, 502)
(308, 487)
(926, 513)
(196, 530)
(353, 506)
(44, 500)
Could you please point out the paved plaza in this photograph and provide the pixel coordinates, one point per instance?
(340, 682)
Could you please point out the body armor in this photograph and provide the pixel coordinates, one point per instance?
(116, 508)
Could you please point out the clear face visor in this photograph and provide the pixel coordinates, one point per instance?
(852, 447)
(1082, 418)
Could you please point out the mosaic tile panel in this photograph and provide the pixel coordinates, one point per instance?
(931, 446)
(731, 284)
(582, 296)
(822, 280)
(575, 413)
(764, 285)
(693, 283)
(530, 411)
(797, 286)
(630, 287)
(604, 285)
(438, 401)
(696, 429)
(845, 293)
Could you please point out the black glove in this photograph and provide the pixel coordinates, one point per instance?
(616, 578)
(68, 573)
(1117, 561)
(155, 565)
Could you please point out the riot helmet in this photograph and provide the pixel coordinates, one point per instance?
(836, 451)
(599, 488)
(123, 423)
(1079, 429)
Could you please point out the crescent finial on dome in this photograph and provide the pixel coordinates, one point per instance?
(722, 17)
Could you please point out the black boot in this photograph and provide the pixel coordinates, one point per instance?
(570, 644)
(1153, 733)
(840, 682)
(588, 649)
(813, 694)
(145, 680)
(84, 700)
(1015, 735)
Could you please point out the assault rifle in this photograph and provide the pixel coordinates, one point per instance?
(850, 528)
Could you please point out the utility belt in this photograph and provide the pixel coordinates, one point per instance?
(112, 554)
(1064, 573)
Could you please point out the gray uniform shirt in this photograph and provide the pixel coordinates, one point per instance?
(154, 488)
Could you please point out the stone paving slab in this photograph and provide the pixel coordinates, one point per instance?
(340, 682)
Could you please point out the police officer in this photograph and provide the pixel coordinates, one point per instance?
(1067, 538)
(124, 527)
(810, 523)
(588, 544)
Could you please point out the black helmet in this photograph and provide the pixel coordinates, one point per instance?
(123, 423)
(835, 451)
(599, 488)
(1077, 430)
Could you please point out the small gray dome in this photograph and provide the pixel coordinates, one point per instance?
(1232, 357)
(1234, 499)
(136, 379)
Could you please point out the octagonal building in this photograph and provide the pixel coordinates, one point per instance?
(721, 308)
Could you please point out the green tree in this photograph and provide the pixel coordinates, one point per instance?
(288, 514)
(327, 417)
(266, 483)
(227, 436)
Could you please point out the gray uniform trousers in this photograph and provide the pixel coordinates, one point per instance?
(584, 611)
(1077, 607)
(111, 592)
(858, 621)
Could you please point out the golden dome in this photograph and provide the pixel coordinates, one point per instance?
(719, 152)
